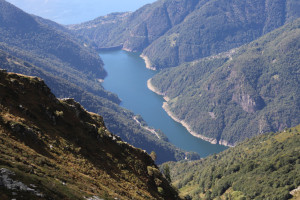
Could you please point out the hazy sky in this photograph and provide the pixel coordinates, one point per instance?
(76, 11)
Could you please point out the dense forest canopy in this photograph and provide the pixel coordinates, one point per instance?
(237, 95)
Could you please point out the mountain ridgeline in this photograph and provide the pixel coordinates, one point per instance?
(54, 149)
(171, 32)
(264, 167)
(34, 46)
(20, 30)
(236, 95)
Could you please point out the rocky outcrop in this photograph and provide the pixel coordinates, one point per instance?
(248, 103)
(66, 151)
(7, 181)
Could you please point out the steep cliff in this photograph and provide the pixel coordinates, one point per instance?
(54, 149)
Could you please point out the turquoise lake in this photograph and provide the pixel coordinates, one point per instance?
(127, 74)
(127, 77)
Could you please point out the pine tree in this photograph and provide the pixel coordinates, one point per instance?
(166, 172)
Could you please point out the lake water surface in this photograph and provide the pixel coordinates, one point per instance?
(127, 77)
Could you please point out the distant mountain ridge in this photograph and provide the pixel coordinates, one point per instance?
(171, 32)
(20, 30)
(135, 31)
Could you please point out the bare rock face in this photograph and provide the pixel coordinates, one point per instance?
(248, 103)
(7, 181)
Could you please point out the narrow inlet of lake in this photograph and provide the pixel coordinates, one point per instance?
(127, 77)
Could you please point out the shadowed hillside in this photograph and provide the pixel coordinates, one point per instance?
(55, 149)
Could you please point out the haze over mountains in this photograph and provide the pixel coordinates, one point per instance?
(74, 11)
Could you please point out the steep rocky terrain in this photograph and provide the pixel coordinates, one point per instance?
(34, 46)
(265, 167)
(171, 32)
(54, 149)
(248, 91)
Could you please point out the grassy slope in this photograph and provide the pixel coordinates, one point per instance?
(65, 151)
(234, 96)
(265, 167)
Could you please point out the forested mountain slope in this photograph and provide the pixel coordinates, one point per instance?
(71, 70)
(55, 149)
(135, 31)
(264, 167)
(171, 32)
(22, 31)
(217, 26)
(251, 90)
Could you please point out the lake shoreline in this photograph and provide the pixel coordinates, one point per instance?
(146, 127)
(144, 57)
(182, 122)
(154, 89)
(147, 62)
(127, 77)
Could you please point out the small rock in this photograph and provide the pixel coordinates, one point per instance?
(9, 183)
(93, 198)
